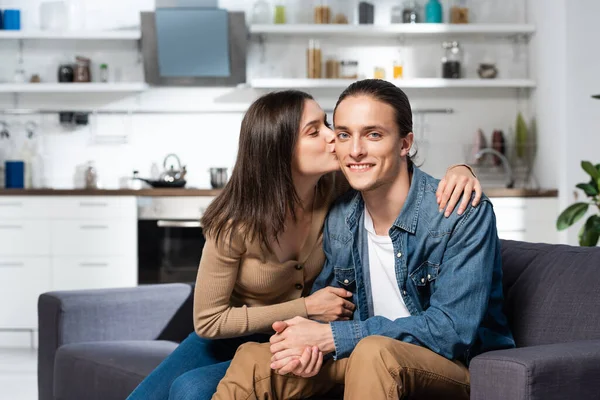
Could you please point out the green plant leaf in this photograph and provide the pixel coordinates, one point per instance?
(572, 214)
(589, 234)
(588, 188)
(590, 169)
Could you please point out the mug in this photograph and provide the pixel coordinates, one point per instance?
(14, 174)
(12, 20)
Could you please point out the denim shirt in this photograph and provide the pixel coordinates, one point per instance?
(448, 271)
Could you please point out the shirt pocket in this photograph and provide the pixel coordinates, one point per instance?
(345, 278)
(424, 280)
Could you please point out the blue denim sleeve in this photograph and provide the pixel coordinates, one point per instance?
(458, 303)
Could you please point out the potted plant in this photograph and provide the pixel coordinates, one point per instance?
(590, 231)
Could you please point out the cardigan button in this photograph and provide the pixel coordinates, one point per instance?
(299, 286)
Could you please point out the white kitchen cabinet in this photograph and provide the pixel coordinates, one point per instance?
(62, 243)
(89, 272)
(22, 280)
(530, 219)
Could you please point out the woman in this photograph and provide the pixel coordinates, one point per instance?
(263, 248)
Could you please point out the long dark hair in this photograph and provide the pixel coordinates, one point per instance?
(261, 191)
(387, 93)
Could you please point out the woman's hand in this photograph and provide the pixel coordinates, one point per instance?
(329, 304)
(459, 180)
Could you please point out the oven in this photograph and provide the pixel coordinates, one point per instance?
(170, 238)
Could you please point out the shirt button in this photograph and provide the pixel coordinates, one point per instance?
(404, 292)
(428, 277)
(346, 281)
(422, 280)
(298, 267)
(298, 286)
(399, 255)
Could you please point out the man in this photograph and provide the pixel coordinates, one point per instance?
(428, 289)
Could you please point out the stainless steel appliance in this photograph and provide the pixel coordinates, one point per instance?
(170, 238)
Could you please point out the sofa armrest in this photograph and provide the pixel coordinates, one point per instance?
(153, 312)
(556, 371)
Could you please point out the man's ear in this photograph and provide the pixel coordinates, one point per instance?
(406, 144)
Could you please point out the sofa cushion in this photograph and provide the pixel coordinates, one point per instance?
(551, 292)
(105, 370)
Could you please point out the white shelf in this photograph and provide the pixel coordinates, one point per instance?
(72, 87)
(72, 35)
(422, 29)
(420, 83)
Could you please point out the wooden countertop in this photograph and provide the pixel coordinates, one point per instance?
(490, 192)
(109, 192)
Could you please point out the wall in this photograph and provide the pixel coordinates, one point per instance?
(210, 139)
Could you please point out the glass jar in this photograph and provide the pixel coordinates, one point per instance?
(379, 73)
(322, 12)
(398, 69)
(410, 13)
(342, 11)
(261, 12)
(104, 73)
(459, 12)
(349, 69)
(396, 14)
(332, 69)
(451, 62)
(313, 60)
(280, 12)
(82, 70)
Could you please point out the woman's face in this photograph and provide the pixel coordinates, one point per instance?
(315, 150)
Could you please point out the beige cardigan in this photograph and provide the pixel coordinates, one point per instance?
(242, 289)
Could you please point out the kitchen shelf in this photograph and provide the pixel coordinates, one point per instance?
(422, 29)
(419, 83)
(72, 87)
(73, 35)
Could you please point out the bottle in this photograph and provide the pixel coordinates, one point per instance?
(397, 14)
(313, 60)
(103, 73)
(398, 69)
(433, 12)
(279, 12)
(459, 12)
(261, 12)
(451, 61)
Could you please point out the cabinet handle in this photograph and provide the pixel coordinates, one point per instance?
(11, 204)
(11, 227)
(12, 264)
(92, 204)
(90, 227)
(93, 265)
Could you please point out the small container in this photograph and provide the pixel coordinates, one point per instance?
(280, 17)
(261, 12)
(398, 69)
(14, 174)
(366, 13)
(104, 73)
(459, 12)
(82, 70)
(313, 60)
(396, 14)
(410, 13)
(66, 73)
(349, 69)
(433, 12)
(12, 20)
(332, 69)
(451, 62)
(379, 73)
(322, 12)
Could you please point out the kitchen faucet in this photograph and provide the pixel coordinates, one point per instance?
(510, 180)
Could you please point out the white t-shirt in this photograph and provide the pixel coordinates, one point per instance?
(387, 300)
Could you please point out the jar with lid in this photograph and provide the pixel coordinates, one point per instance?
(451, 62)
(261, 12)
(459, 12)
(396, 16)
(410, 13)
(280, 17)
(349, 69)
(313, 60)
(332, 69)
(322, 12)
(342, 11)
(82, 70)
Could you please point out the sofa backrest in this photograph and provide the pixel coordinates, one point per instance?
(551, 292)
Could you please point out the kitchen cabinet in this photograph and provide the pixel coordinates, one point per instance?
(62, 243)
(529, 219)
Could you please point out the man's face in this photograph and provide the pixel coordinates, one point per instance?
(368, 145)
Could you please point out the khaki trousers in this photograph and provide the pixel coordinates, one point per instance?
(378, 368)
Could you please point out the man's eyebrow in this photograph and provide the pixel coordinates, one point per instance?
(364, 128)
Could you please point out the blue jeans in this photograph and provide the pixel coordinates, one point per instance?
(193, 370)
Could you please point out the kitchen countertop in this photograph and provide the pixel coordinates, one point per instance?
(490, 192)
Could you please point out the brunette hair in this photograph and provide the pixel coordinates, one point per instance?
(261, 191)
(389, 94)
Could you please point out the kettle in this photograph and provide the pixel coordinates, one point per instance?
(172, 175)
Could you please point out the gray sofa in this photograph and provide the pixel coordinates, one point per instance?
(99, 344)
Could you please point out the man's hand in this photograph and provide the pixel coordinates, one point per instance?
(293, 337)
